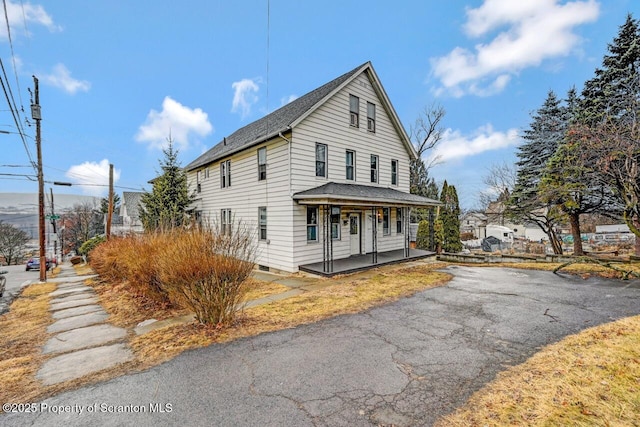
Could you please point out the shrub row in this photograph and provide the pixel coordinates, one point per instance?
(199, 268)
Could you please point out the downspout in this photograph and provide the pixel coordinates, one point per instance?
(289, 142)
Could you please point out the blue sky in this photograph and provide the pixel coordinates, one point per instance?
(116, 76)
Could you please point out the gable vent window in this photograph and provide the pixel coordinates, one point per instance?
(198, 184)
(354, 109)
(371, 117)
(225, 174)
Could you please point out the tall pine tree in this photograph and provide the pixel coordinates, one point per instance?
(541, 140)
(167, 203)
(450, 217)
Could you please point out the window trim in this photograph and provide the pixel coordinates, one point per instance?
(262, 167)
(262, 225)
(394, 174)
(225, 221)
(333, 216)
(225, 174)
(375, 170)
(354, 111)
(352, 165)
(371, 117)
(312, 225)
(325, 161)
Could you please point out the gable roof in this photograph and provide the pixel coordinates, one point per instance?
(293, 113)
(357, 194)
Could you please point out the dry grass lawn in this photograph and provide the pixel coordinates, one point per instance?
(588, 379)
(23, 332)
(580, 269)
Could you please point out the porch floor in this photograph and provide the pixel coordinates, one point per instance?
(363, 262)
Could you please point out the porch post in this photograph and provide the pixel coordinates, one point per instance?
(324, 238)
(330, 212)
(407, 235)
(374, 232)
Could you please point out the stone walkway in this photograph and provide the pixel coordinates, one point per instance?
(82, 341)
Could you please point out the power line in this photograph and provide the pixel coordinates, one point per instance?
(13, 56)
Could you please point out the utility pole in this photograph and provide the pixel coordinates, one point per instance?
(55, 234)
(35, 115)
(110, 210)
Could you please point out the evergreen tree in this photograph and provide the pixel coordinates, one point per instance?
(167, 203)
(422, 237)
(542, 138)
(450, 217)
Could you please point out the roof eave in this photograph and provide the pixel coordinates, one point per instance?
(325, 199)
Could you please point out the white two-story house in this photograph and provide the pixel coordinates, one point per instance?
(324, 178)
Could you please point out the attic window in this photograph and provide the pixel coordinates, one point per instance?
(354, 109)
(371, 117)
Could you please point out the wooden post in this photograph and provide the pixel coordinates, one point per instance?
(110, 210)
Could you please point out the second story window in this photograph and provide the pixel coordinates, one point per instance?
(371, 117)
(394, 172)
(321, 160)
(354, 111)
(350, 161)
(262, 164)
(225, 174)
(374, 168)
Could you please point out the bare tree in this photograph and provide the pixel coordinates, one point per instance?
(499, 182)
(425, 134)
(12, 242)
(79, 224)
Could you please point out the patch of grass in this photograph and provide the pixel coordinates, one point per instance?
(591, 378)
(23, 332)
(348, 294)
(259, 289)
(83, 269)
(580, 269)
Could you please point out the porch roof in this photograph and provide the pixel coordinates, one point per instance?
(333, 193)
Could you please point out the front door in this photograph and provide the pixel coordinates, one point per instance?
(354, 233)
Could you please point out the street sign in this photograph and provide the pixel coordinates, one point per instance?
(53, 217)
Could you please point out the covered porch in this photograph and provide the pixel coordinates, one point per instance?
(356, 263)
(367, 211)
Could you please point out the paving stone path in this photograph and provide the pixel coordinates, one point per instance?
(81, 341)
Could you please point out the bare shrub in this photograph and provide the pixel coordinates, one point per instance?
(206, 270)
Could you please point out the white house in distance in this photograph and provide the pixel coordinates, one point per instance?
(128, 220)
(324, 178)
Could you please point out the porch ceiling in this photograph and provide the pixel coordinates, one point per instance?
(360, 195)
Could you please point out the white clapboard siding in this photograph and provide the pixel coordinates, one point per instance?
(329, 125)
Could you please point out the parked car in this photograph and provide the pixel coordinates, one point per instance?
(34, 264)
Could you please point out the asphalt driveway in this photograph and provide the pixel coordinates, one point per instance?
(406, 363)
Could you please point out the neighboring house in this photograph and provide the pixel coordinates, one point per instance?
(475, 223)
(128, 220)
(323, 178)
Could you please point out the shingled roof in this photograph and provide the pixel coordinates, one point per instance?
(270, 125)
(333, 192)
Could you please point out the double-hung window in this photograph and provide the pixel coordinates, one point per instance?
(225, 174)
(399, 220)
(394, 172)
(335, 222)
(371, 117)
(385, 221)
(198, 184)
(225, 221)
(262, 164)
(262, 222)
(350, 165)
(354, 111)
(374, 168)
(321, 160)
(312, 224)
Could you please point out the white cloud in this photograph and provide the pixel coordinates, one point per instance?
(22, 15)
(61, 78)
(455, 146)
(535, 30)
(175, 120)
(287, 99)
(92, 177)
(244, 96)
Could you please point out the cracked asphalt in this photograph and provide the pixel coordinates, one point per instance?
(404, 364)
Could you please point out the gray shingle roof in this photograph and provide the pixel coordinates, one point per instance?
(366, 194)
(271, 124)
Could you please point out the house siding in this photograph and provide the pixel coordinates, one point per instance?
(246, 194)
(329, 125)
